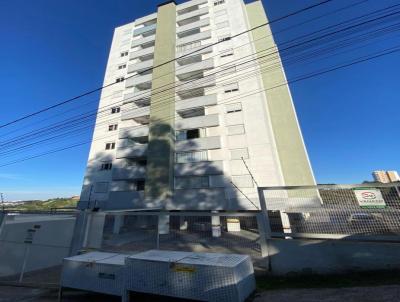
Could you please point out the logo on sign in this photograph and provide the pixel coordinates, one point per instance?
(368, 195)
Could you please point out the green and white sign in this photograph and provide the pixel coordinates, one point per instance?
(369, 198)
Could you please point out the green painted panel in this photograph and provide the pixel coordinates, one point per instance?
(160, 161)
(293, 157)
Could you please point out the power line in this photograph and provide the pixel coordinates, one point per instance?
(365, 59)
(55, 137)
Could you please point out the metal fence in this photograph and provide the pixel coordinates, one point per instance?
(359, 212)
(32, 246)
(130, 232)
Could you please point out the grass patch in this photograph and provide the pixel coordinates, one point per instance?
(355, 279)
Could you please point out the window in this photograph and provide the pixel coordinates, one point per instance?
(189, 157)
(140, 185)
(235, 107)
(219, 2)
(191, 182)
(124, 54)
(239, 153)
(231, 87)
(227, 53)
(235, 129)
(110, 146)
(119, 80)
(122, 66)
(190, 134)
(113, 127)
(106, 166)
(115, 110)
(224, 38)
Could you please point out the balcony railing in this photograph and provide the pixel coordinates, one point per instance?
(142, 41)
(195, 67)
(132, 132)
(193, 38)
(145, 29)
(198, 24)
(141, 81)
(189, 4)
(199, 168)
(140, 66)
(192, 14)
(134, 172)
(206, 100)
(206, 81)
(135, 113)
(203, 143)
(133, 151)
(145, 52)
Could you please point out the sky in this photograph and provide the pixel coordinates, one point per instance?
(53, 50)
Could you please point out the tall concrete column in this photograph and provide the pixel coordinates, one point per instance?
(294, 162)
(160, 153)
(216, 225)
(118, 223)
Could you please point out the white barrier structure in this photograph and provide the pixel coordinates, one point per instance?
(186, 275)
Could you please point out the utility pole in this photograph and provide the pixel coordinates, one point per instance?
(2, 201)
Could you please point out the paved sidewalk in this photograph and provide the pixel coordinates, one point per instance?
(386, 293)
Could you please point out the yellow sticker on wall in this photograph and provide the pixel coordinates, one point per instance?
(183, 268)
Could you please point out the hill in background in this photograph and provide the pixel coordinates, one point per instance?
(44, 205)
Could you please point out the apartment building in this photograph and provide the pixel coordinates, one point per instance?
(385, 176)
(195, 100)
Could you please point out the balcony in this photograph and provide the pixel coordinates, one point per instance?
(143, 41)
(203, 143)
(133, 151)
(193, 38)
(146, 19)
(138, 114)
(189, 4)
(147, 29)
(203, 82)
(132, 172)
(180, 31)
(142, 82)
(187, 51)
(201, 101)
(140, 66)
(199, 168)
(187, 71)
(195, 14)
(133, 132)
(140, 98)
(198, 199)
(125, 200)
(144, 52)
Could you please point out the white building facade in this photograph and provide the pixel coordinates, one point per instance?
(198, 95)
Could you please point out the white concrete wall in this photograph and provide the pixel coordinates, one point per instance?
(331, 256)
(51, 242)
